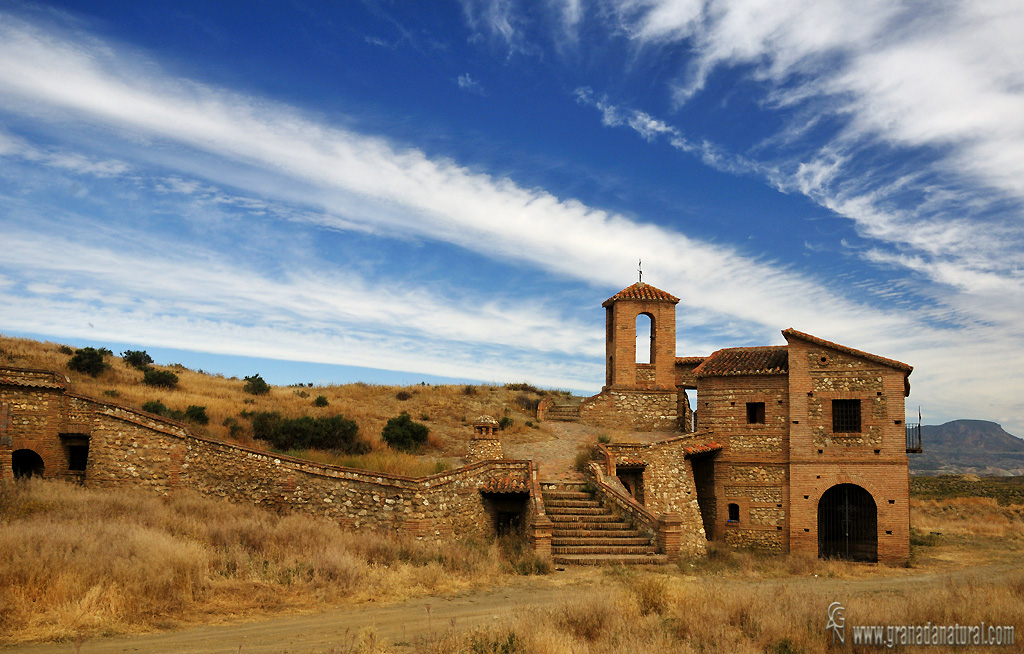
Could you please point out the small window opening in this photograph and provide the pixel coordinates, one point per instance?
(846, 416)
(755, 413)
(78, 456)
(734, 513)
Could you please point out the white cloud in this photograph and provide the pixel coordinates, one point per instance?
(467, 83)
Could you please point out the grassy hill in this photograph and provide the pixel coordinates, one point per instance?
(448, 410)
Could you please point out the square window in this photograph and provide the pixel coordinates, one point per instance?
(755, 413)
(846, 416)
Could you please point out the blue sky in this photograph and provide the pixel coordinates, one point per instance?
(394, 191)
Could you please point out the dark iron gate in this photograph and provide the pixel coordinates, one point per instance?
(847, 524)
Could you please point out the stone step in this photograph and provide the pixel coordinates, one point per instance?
(602, 531)
(573, 503)
(575, 519)
(603, 549)
(610, 559)
(576, 510)
(563, 486)
(566, 495)
(587, 541)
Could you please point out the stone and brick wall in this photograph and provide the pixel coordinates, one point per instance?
(752, 469)
(874, 458)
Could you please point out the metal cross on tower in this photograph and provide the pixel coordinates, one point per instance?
(640, 269)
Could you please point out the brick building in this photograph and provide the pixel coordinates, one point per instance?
(800, 447)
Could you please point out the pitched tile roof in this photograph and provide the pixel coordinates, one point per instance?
(641, 291)
(505, 485)
(892, 363)
(765, 360)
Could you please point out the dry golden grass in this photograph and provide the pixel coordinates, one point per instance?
(968, 516)
(75, 562)
(447, 409)
(660, 614)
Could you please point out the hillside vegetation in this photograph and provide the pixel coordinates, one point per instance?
(447, 410)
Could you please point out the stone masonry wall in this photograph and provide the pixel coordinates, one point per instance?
(632, 409)
(668, 481)
(133, 448)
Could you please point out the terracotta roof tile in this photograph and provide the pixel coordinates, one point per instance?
(892, 363)
(641, 291)
(630, 461)
(31, 383)
(765, 360)
(690, 361)
(505, 485)
(702, 448)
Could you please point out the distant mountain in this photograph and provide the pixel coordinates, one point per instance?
(968, 446)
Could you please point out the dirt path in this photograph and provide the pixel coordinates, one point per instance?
(403, 623)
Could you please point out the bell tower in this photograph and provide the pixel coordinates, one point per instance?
(621, 311)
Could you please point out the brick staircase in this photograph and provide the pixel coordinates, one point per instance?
(586, 533)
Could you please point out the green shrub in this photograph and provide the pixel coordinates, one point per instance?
(111, 392)
(604, 438)
(336, 433)
(525, 402)
(89, 361)
(403, 395)
(529, 388)
(234, 429)
(64, 349)
(469, 389)
(302, 394)
(401, 433)
(193, 413)
(137, 359)
(321, 400)
(154, 406)
(160, 378)
(505, 423)
(197, 414)
(254, 385)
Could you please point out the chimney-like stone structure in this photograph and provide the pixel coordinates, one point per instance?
(484, 444)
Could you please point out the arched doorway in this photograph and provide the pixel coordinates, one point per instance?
(847, 524)
(26, 463)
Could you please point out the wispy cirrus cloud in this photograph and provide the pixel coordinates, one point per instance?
(278, 160)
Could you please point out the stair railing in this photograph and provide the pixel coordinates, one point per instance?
(666, 529)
